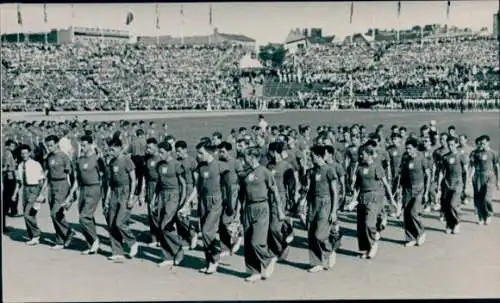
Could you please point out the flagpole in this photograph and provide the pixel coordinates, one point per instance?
(20, 23)
(351, 27)
(182, 24)
(397, 21)
(157, 25)
(448, 3)
(45, 21)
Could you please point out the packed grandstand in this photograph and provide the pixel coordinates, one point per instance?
(96, 76)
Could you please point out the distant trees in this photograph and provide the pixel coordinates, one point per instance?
(272, 55)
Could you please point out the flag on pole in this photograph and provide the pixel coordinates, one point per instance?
(351, 12)
(448, 9)
(399, 8)
(72, 11)
(130, 17)
(210, 15)
(157, 16)
(19, 16)
(182, 10)
(45, 13)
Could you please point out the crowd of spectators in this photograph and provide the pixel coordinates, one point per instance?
(437, 68)
(105, 76)
(158, 77)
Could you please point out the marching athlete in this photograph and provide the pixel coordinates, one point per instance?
(258, 185)
(61, 182)
(414, 179)
(322, 210)
(212, 177)
(452, 180)
(92, 181)
(171, 199)
(371, 186)
(152, 158)
(280, 231)
(119, 201)
(485, 176)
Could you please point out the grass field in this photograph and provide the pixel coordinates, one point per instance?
(458, 266)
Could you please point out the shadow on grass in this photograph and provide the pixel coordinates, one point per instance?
(346, 252)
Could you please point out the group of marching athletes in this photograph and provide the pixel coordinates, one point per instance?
(245, 190)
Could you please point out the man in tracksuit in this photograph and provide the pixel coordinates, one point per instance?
(119, 201)
(61, 181)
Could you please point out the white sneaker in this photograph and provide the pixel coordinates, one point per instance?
(95, 247)
(332, 260)
(165, 263)
(57, 247)
(134, 249)
(268, 271)
(373, 251)
(410, 243)
(194, 242)
(421, 239)
(237, 245)
(290, 238)
(427, 209)
(448, 231)
(456, 229)
(33, 242)
(117, 258)
(488, 221)
(315, 269)
(377, 236)
(480, 222)
(211, 269)
(253, 278)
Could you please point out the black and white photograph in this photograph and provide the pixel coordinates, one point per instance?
(242, 151)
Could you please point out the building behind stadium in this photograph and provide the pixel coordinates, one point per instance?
(88, 34)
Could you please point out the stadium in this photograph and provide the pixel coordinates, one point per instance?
(77, 78)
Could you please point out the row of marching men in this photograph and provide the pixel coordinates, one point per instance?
(239, 199)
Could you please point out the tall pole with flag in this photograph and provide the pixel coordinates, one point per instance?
(157, 25)
(45, 21)
(397, 23)
(351, 13)
(448, 4)
(19, 21)
(128, 21)
(182, 24)
(72, 15)
(210, 24)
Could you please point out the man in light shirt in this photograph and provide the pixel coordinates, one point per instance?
(30, 177)
(65, 144)
(262, 123)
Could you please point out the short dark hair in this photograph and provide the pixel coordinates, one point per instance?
(52, 138)
(206, 145)
(25, 146)
(152, 141)
(318, 150)
(278, 147)
(217, 135)
(413, 142)
(452, 138)
(87, 138)
(225, 145)
(169, 137)
(139, 132)
(330, 149)
(115, 142)
(165, 145)
(9, 142)
(181, 144)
